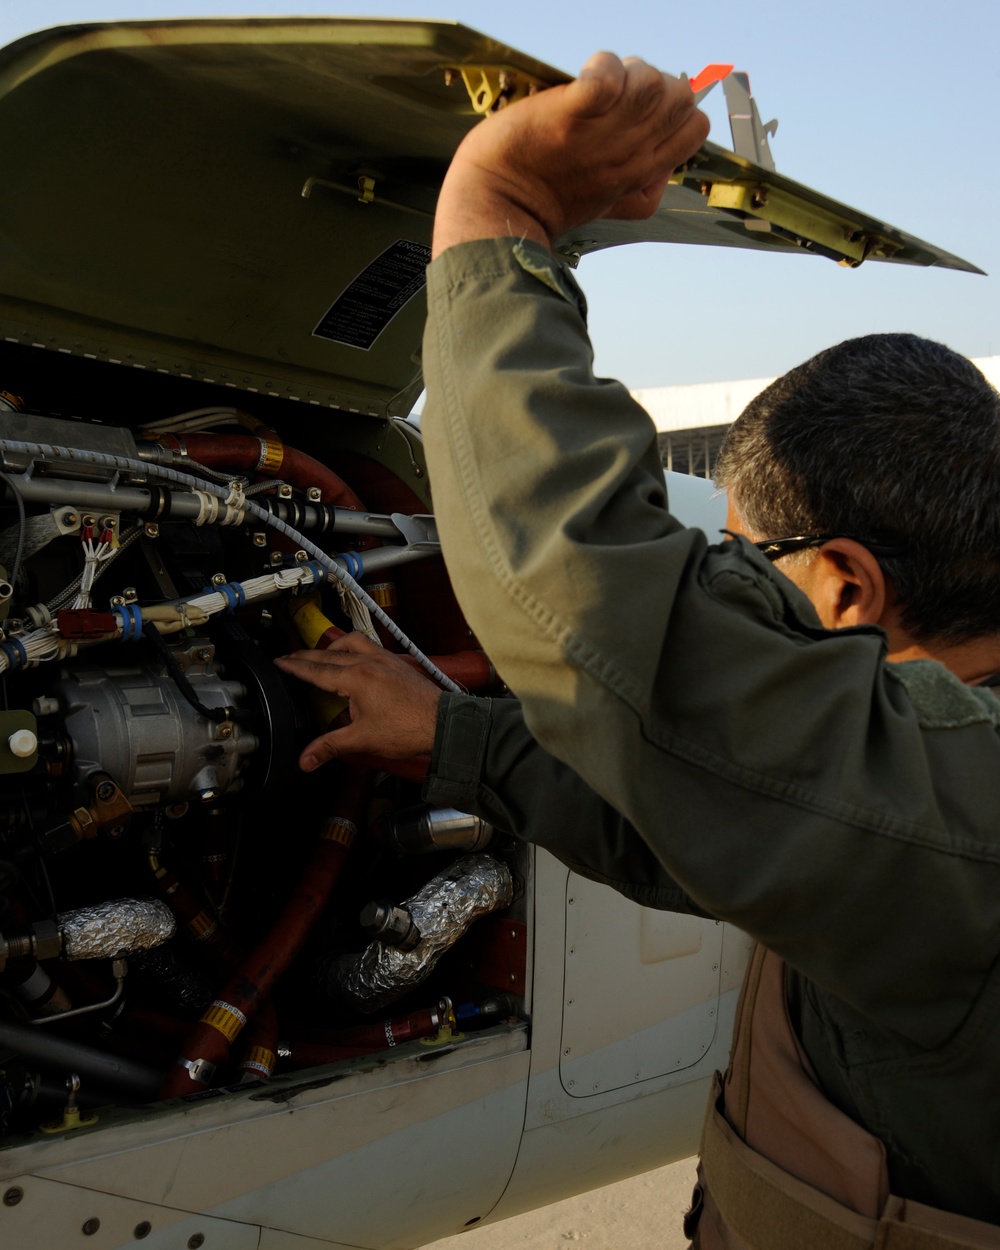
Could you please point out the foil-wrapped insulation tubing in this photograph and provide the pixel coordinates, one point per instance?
(115, 928)
(442, 910)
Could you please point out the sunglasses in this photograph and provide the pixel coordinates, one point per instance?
(775, 548)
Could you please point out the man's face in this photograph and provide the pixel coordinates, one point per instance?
(798, 570)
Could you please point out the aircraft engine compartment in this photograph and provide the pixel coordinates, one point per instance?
(181, 908)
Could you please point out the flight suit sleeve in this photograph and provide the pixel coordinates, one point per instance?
(486, 762)
(778, 771)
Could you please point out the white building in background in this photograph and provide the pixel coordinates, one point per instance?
(692, 420)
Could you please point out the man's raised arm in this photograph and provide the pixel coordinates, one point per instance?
(547, 483)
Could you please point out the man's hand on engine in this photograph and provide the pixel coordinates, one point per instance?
(393, 707)
(603, 145)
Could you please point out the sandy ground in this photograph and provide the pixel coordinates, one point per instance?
(642, 1213)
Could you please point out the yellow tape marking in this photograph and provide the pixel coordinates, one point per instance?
(384, 594)
(227, 1019)
(271, 455)
(262, 1059)
(337, 829)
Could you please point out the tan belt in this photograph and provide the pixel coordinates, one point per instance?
(768, 1209)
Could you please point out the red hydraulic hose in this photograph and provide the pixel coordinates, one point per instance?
(146, 1021)
(209, 1041)
(363, 1039)
(471, 669)
(192, 914)
(247, 454)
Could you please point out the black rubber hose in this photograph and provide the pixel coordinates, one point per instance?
(135, 1080)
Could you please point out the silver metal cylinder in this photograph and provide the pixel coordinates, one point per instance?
(392, 925)
(420, 830)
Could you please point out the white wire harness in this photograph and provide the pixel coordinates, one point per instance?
(219, 505)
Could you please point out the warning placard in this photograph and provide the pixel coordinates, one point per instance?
(366, 306)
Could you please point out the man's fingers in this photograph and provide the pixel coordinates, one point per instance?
(354, 641)
(633, 86)
(358, 671)
(669, 154)
(327, 747)
(598, 86)
(688, 133)
(323, 667)
(680, 143)
(320, 668)
(649, 94)
(657, 124)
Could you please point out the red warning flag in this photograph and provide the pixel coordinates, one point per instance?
(709, 76)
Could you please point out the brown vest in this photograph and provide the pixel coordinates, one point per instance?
(783, 1169)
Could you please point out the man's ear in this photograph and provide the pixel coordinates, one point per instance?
(847, 585)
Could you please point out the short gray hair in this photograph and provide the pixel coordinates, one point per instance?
(893, 436)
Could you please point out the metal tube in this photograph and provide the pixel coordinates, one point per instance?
(186, 506)
(101, 495)
(83, 1011)
(309, 516)
(386, 557)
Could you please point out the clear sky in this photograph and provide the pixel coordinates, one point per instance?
(887, 105)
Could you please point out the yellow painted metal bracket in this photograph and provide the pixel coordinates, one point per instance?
(809, 225)
(72, 1117)
(493, 87)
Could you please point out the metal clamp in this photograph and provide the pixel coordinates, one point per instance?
(200, 1070)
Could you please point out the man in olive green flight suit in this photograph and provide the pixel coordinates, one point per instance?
(748, 751)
